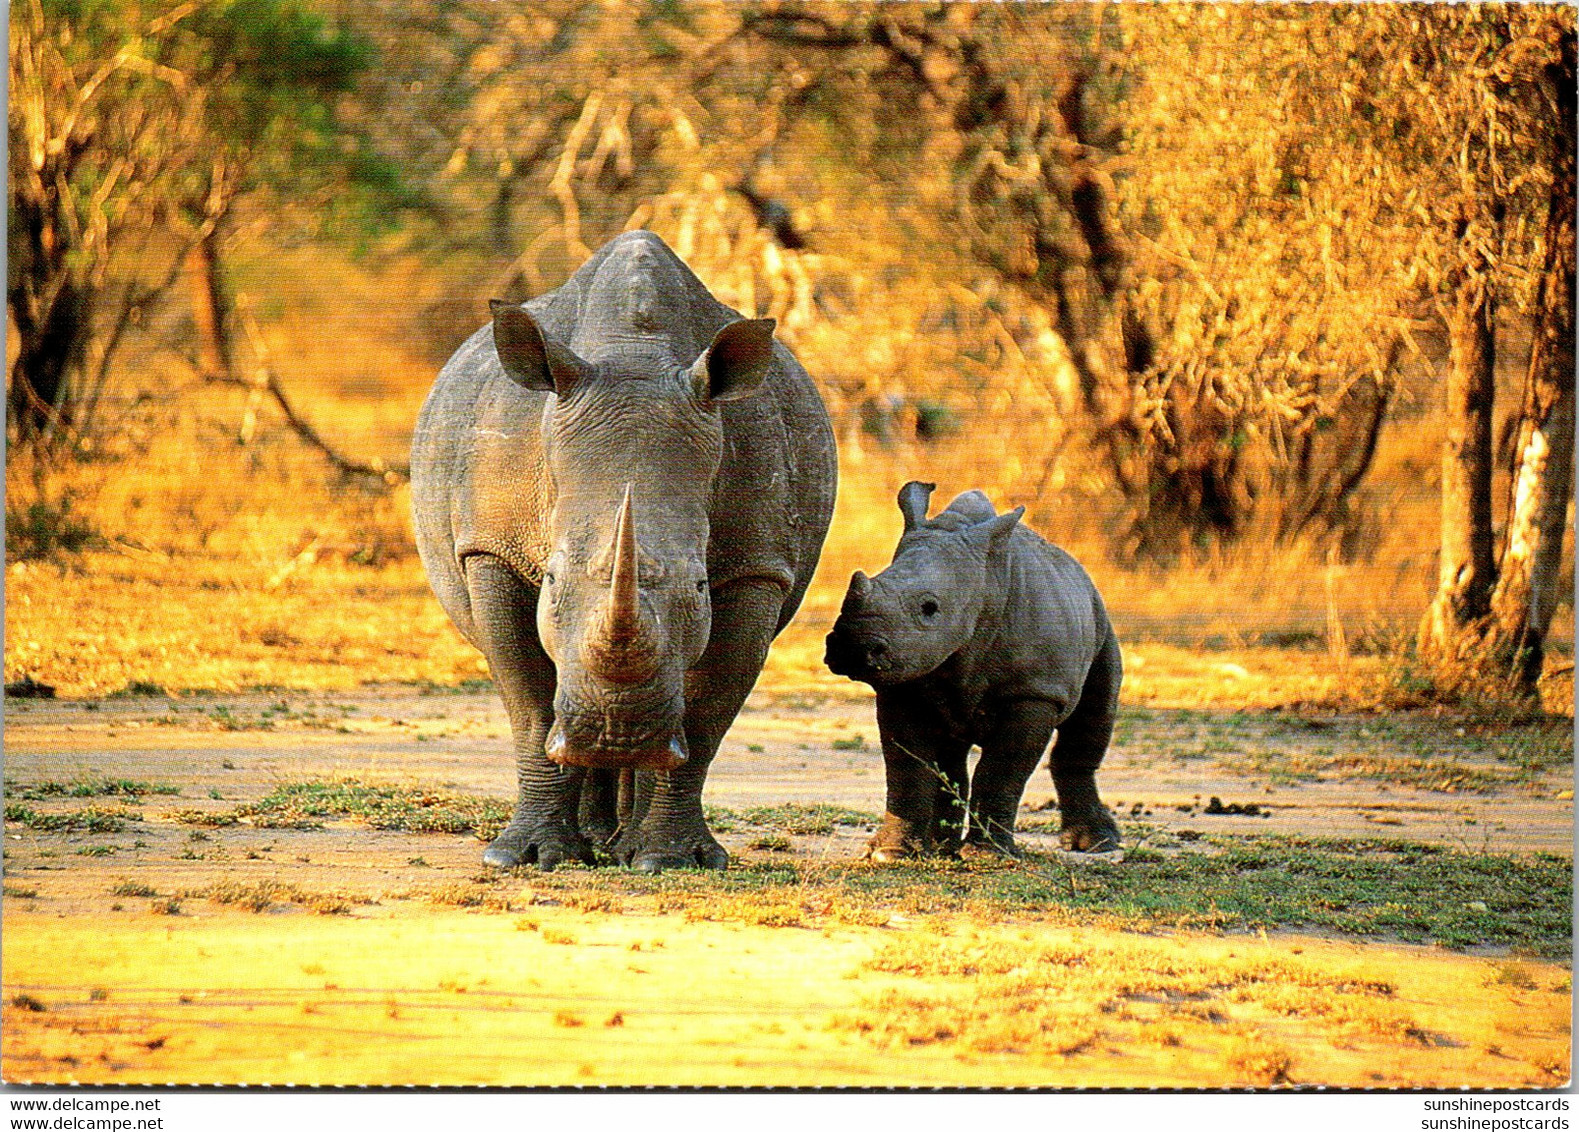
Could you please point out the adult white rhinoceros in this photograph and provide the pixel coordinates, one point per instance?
(621, 490)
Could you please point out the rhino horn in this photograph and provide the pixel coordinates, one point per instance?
(624, 618)
(622, 646)
(858, 595)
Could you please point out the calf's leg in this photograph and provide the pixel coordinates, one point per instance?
(1010, 751)
(1082, 741)
(925, 772)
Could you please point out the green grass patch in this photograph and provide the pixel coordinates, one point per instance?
(212, 819)
(89, 819)
(137, 689)
(803, 818)
(1447, 754)
(1387, 890)
(85, 788)
(417, 809)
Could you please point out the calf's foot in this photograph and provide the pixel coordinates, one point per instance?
(1087, 825)
(998, 844)
(898, 839)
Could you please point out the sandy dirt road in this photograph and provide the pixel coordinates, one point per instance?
(106, 980)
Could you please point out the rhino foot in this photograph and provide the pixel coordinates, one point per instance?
(1090, 833)
(985, 846)
(546, 844)
(654, 850)
(898, 840)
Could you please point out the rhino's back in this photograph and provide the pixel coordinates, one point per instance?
(1053, 622)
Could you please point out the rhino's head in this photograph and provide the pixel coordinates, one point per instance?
(923, 609)
(633, 443)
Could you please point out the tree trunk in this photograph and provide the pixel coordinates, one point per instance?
(50, 311)
(1466, 569)
(208, 308)
(1529, 579)
(47, 351)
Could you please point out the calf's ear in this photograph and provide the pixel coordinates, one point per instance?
(913, 499)
(993, 535)
(530, 355)
(736, 361)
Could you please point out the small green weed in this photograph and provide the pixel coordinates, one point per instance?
(208, 818)
(85, 788)
(420, 810)
(90, 819)
(139, 689)
(772, 842)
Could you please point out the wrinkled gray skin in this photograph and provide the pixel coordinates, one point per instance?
(980, 633)
(621, 491)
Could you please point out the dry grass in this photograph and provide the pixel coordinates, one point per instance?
(1002, 994)
(208, 564)
(262, 896)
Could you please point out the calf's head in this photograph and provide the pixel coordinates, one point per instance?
(923, 609)
(633, 441)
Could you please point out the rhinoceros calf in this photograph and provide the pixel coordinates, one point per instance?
(980, 632)
(621, 490)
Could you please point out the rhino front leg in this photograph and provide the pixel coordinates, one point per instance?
(1082, 742)
(543, 830)
(1010, 753)
(925, 774)
(672, 833)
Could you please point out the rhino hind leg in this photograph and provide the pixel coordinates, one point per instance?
(1010, 753)
(1082, 742)
(597, 815)
(669, 831)
(544, 830)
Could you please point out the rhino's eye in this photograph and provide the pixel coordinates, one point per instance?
(929, 608)
(701, 585)
(548, 578)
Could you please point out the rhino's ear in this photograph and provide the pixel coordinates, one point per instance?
(736, 362)
(913, 499)
(993, 535)
(530, 355)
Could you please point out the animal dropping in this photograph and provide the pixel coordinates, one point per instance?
(980, 633)
(621, 490)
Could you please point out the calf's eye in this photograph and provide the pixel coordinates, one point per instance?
(701, 586)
